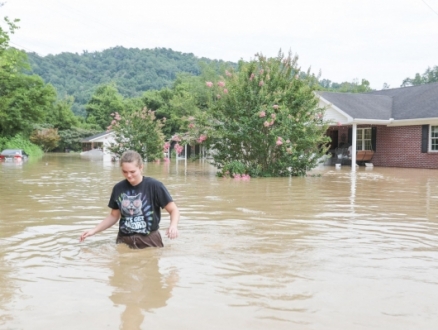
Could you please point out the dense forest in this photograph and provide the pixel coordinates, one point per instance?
(133, 71)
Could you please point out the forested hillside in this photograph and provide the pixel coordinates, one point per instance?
(133, 71)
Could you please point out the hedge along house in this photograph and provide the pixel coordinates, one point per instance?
(400, 125)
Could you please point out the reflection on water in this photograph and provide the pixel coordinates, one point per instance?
(139, 285)
(335, 250)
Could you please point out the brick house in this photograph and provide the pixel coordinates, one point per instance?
(400, 125)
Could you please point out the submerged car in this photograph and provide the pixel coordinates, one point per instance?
(13, 155)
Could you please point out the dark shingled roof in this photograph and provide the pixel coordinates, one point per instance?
(413, 102)
(361, 106)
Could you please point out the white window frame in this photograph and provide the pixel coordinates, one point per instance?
(361, 143)
(433, 138)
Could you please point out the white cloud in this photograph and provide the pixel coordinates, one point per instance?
(381, 41)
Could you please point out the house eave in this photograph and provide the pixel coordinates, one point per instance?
(417, 121)
(392, 122)
(361, 121)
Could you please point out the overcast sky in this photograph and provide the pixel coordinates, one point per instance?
(378, 40)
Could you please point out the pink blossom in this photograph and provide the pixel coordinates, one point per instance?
(191, 125)
(176, 138)
(262, 114)
(261, 71)
(209, 84)
(201, 138)
(273, 116)
(279, 143)
(261, 83)
(178, 148)
(227, 73)
(266, 124)
(246, 177)
(166, 146)
(251, 77)
(221, 84)
(271, 123)
(339, 123)
(112, 114)
(225, 91)
(237, 176)
(275, 106)
(280, 138)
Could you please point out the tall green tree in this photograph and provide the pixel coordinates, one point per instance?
(262, 120)
(62, 117)
(24, 100)
(345, 87)
(10, 58)
(105, 100)
(429, 76)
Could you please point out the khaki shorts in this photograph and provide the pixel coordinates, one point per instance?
(140, 241)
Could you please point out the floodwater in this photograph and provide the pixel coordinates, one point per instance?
(333, 250)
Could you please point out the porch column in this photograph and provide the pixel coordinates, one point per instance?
(353, 147)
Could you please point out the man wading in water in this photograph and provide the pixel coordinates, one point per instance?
(137, 203)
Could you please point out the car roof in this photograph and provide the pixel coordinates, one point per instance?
(9, 151)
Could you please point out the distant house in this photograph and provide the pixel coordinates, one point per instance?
(400, 125)
(99, 141)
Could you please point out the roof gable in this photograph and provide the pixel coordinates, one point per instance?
(99, 136)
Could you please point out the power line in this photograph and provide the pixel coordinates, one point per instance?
(22, 47)
(430, 7)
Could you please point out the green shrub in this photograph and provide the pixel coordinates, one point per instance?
(19, 142)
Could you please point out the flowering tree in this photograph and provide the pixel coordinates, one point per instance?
(262, 120)
(46, 138)
(138, 131)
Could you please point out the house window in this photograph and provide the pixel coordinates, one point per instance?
(363, 141)
(433, 138)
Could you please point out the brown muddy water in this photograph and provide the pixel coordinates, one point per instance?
(338, 250)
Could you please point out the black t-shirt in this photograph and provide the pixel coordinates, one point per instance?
(140, 206)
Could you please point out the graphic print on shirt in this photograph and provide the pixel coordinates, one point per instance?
(136, 214)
